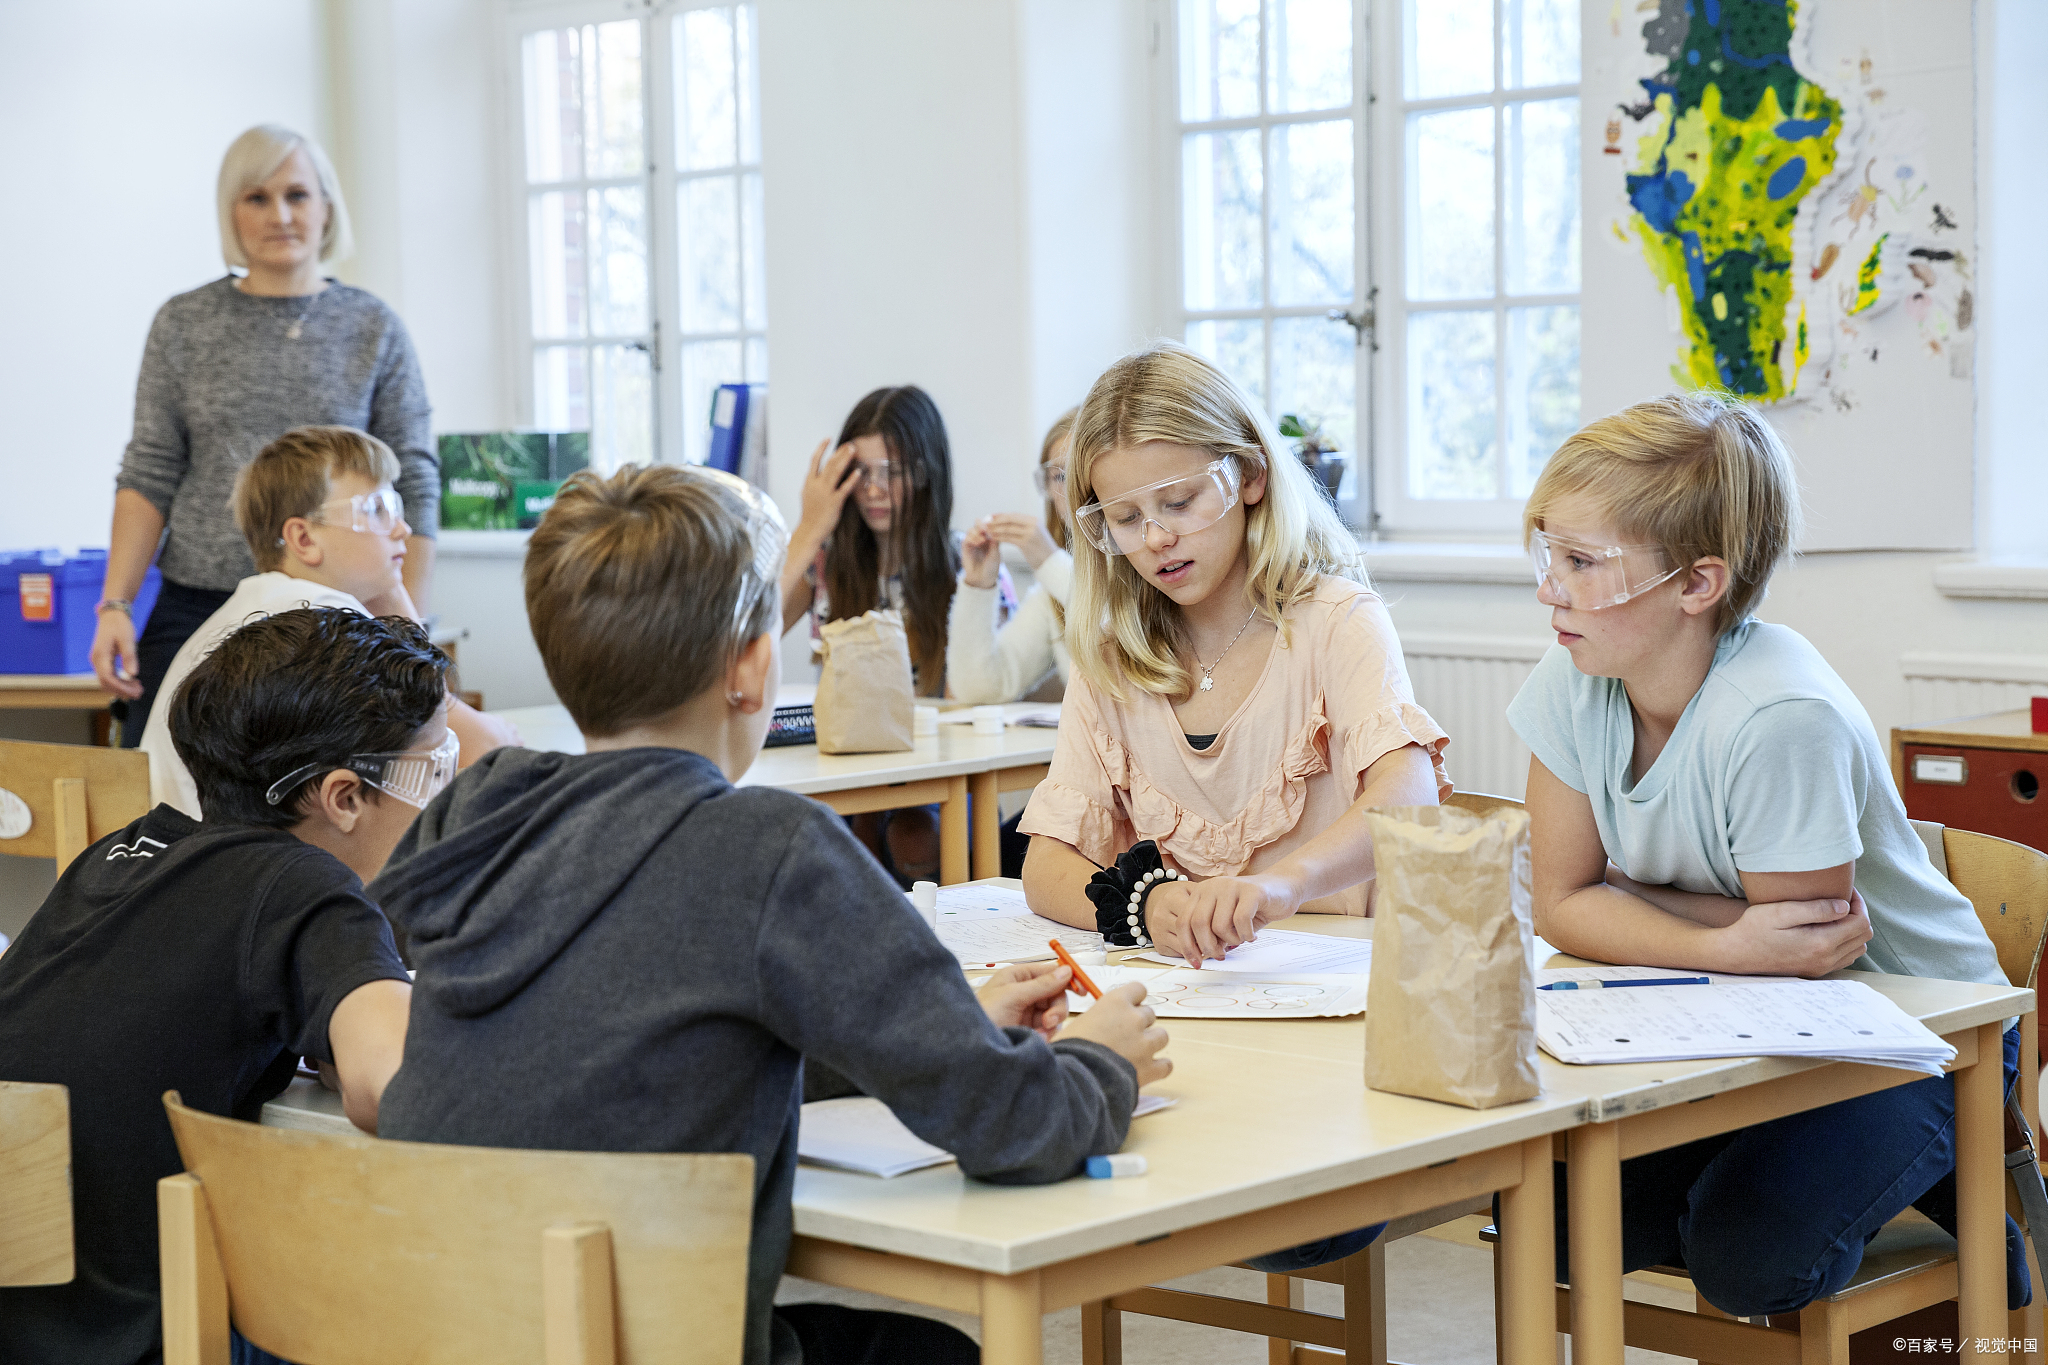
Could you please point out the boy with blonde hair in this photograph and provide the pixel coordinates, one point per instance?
(327, 529)
(1706, 794)
(640, 956)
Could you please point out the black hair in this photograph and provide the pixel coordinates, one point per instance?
(310, 686)
(909, 424)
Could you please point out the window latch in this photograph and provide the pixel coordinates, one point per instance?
(1361, 322)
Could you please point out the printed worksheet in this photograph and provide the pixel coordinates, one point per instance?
(1284, 950)
(985, 924)
(1186, 994)
(1735, 1017)
(860, 1133)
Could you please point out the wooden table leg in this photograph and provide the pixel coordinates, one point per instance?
(1012, 1320)
(953, 833)
(1594, 1205)
(988, 826)
(1528, 1245)
(1980, 1202)
(1102, 1334)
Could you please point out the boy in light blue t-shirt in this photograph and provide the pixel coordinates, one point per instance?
(1706, 794)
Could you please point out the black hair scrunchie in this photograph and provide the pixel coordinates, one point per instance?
(1120, 890)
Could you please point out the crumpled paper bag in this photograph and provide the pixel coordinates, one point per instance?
(864, 703)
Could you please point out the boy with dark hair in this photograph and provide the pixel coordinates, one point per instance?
(622, 951)
(208, 959)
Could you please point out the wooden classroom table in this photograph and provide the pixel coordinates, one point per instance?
(944, 770)
(52, 692)
(1276, 1141)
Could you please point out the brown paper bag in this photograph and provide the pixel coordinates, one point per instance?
(864, 703)
(1451, 1010)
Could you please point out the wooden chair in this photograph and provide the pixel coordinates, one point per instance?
(1357, 1336)
(350, 1250)
(1910, 1265)
(74, 794)
(35, 1184)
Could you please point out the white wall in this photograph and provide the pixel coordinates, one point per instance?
(115, 117)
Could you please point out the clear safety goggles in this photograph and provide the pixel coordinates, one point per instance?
(1051, 482)
(768, 534)
(1587, 577)
(379, 513)
(877, 474)
(1179, 507)
(414, 776)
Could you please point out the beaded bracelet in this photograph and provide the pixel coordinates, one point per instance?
(1119, 893)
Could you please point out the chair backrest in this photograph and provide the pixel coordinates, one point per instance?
(2008, 883)
(35, 1184)
(1480, 803)
(74, 794)
(346, 1249)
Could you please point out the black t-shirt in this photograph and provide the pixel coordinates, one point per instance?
(170, 956)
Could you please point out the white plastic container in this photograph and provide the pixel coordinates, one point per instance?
(988, 720)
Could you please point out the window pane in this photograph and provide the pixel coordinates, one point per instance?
(1220, 187)
(1315, 376)
(706, 365)
(553, 63)
(558, 230)
(561, 389)
(749, 86)
(1314, 242)
(1543, 42)
(753, 239)
(1311, 42)
(1543, 389)
(1219, 59)
(1450, 204)
(1239, 346)
(1541, 216)
(622, 406)
(706, 116)
(1451, 442)
(757, 360)
(618, 276)
(708, 254)
(1449, 47)
(612, 86)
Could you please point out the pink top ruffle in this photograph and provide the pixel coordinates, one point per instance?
(1281, 770)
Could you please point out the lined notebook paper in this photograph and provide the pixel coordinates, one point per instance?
(1733, 1017)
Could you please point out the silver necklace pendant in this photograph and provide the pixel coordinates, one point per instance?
(291, 333)
(1208, 683)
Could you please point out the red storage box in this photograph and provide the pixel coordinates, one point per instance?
(1983, 773)
(46, 609)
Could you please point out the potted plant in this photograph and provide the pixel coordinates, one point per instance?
(1316, 451)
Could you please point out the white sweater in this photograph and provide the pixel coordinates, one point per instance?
(986, 665)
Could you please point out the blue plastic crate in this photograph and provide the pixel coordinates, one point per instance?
(63, 643)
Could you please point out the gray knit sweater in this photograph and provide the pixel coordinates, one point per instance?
(221, 380)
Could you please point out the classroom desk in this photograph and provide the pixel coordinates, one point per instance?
(943, 770)
(52, 692)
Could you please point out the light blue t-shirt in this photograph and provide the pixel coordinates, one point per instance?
(1774, 767)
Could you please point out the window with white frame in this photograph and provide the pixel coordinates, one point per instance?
(641, 221)
(1409, 177)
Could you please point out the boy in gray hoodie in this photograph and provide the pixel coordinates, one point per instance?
(621, 951)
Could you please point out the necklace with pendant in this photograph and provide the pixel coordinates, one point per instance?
(298, 326)
(1208, 670)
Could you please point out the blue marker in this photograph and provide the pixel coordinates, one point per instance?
(1119, 1164)
(1610, 985)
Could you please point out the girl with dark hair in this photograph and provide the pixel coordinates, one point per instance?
(875, 532)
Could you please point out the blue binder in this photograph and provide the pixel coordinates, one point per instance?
(739, 417)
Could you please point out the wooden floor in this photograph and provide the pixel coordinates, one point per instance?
(1439, 1292)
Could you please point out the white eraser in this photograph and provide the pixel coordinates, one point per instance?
(1118, 1164)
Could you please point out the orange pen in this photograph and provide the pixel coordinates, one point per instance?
(1080, 977)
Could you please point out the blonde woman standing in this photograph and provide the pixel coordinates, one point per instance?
(228, 368)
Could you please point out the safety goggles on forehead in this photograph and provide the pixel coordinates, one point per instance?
(768, 534)
(378, 513)
(1051, 481)
(1587, 577)
(414, 776)
(1179, 507)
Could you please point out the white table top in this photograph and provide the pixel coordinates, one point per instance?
(1269, 1111)
(956, 750)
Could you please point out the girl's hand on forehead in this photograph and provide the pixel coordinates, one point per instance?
(829, 483)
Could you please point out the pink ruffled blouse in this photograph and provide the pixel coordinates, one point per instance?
(1281, 770)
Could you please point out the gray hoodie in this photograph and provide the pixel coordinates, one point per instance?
(623, 952)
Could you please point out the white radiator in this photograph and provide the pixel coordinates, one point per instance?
(1466, 683)
(1947, 686)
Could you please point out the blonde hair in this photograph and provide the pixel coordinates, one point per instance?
(633, 590)
(1120, 629)
(292, 476)
(1696, 474)
(1055, 519)
(252, 159)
